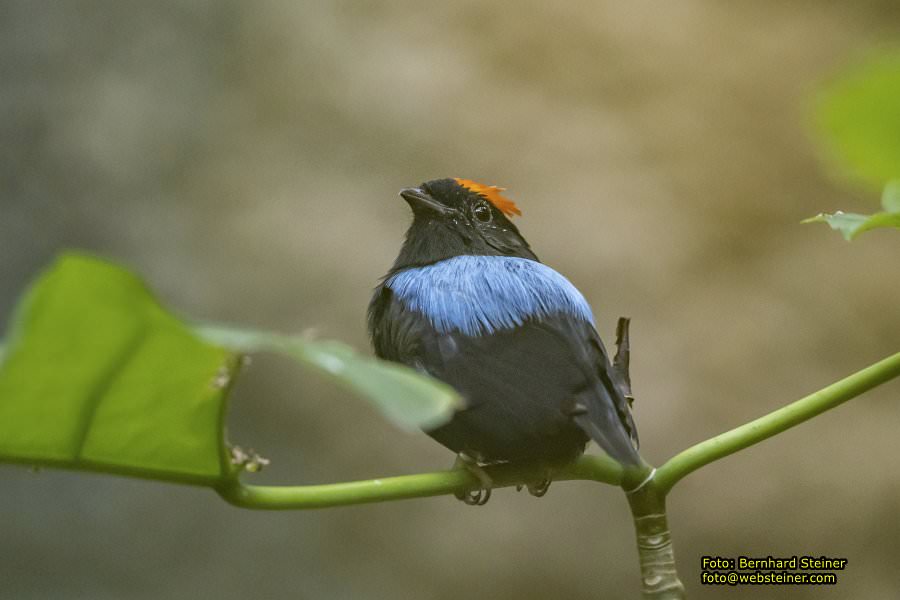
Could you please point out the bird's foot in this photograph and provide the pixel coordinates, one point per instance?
(479, 496)
(540, 487)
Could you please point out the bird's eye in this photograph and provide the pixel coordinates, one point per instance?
(482, 213)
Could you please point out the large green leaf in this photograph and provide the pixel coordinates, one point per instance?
(859, 118)
(97, 376)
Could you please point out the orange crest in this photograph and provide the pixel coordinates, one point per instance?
(491, 193)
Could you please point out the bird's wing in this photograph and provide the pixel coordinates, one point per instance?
(522, 383)
(608, 408)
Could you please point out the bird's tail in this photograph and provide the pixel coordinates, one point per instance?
(612, 429)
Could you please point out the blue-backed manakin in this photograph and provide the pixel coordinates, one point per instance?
(468, 302)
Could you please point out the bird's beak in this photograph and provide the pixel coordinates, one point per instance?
(416, 198)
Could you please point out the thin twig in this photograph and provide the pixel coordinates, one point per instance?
(622, 359)
(592, 468)
(775, 422)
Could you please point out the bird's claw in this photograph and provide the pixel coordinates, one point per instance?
(479, 496)
(539, 488)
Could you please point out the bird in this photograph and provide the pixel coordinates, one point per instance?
(468, 302)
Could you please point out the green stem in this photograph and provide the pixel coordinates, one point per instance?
(775, 422)
(592, 468)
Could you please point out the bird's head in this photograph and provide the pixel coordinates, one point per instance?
(454, 217)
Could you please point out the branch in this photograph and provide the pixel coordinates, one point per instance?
(775, 422)
(659, 576)
(590, 468)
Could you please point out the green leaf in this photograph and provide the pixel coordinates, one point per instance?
(851, 224)
(408, 399)
(98, 376)
(859, 118)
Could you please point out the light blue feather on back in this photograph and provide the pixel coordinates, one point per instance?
(478, 295)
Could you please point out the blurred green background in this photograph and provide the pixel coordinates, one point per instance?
(246, 157)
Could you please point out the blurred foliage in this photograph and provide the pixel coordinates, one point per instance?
(100, 377)
(859, 116)
(852, 224)
(407, 399)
